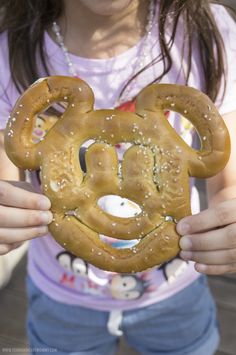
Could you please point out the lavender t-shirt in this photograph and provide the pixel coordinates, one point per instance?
(55, 271)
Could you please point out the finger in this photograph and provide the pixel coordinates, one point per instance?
(5, 248)
(14, 196)
(16, 235)
(16, 245)
(22, 184)
(219, 239)
(11, 217)
(222, 214)
(215, 269)
(216, 257)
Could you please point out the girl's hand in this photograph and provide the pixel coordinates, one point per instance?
(209, 239)
(23, 214)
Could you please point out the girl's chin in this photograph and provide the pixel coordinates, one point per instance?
(107, 7)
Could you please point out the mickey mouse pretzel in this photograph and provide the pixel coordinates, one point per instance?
(154, 172)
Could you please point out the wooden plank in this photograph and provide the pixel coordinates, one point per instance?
(8, 345)
(227, 320)
(12, 322)
(14, 303)
(17, 282)
(201, 186)
(230, 277)
(224, 292)
(125, 349)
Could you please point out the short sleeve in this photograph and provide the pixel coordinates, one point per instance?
(8, 91)
(227, 28)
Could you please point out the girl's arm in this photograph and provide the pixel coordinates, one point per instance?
(8, 170)
(209, 237)
(23, 214)
(223, 186)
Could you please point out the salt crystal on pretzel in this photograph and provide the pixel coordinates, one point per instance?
(154, 172)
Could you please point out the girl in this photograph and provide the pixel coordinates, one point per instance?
(119, 47)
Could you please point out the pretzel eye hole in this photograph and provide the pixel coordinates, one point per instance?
(118, 206)
(45, 120)
(82, 151)
(120, 149)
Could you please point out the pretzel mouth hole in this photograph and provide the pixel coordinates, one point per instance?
(130, 243)
(115, 206)
(119, 243)
(120, 147)
(118, 206)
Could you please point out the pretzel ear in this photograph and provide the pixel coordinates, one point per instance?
(201, 112)
(36, 99)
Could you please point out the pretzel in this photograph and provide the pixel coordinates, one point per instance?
(154, 173)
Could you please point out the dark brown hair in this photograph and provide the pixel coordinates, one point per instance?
(26, 21)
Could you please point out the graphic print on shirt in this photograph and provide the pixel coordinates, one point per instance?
(42, 125)
(173, 269)
(130, 286)
(186, 130)
(78, 274)
(74, 266)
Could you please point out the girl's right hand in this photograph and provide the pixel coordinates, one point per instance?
(23, 214)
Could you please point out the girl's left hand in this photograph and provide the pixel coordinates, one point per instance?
(209, 239)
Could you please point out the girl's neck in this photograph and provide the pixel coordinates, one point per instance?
(90, 34)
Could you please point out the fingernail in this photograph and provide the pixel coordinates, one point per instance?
(183, 228)
(201, 267)
(186, 255)
(46, 217)
(44, 203)
(185, 243)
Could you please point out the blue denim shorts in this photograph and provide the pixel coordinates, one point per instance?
(183, 324)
